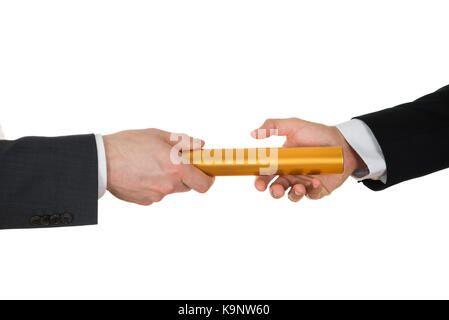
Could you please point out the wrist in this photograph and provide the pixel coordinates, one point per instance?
(352, 160)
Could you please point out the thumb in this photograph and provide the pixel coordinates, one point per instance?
(277, 127)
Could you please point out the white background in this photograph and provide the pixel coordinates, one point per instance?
(216, 70)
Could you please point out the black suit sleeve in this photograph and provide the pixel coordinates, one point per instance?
(48, 182)
(414, 138)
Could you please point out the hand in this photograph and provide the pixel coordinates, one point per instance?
(140, 169)
(302, 133)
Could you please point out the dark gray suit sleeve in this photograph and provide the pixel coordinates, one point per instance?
(48, 182)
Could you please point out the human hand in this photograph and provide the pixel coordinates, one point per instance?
(301, 133)
(140, 168)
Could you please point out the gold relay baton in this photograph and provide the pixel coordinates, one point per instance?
(263, 161)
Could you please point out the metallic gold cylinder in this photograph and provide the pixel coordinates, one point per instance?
(263, 161)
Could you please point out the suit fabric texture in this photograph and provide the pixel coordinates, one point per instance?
(48, 182)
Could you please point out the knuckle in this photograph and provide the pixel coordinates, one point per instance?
(167, 189)
(163, 188)
(151, 131)
(158, 198)
(152, 198)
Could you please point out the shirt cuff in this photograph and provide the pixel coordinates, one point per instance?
(362, 140)
(102, 170)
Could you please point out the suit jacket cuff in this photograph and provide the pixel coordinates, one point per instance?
(362, 140)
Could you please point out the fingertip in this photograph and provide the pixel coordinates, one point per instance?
(196, 179)
(277, 191)
(260, 185)
(254, 134)
(210, 182)
(316, 183)
(293, 198)
(296, 193)
(197, 144)
(204, 188)
(299, 190)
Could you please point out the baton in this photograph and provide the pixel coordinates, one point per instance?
(267, 161)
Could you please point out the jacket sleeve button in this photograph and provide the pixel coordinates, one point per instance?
(35, 221)
(54, 219)
(67, 218)
(45, 220)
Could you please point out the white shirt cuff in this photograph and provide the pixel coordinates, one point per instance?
(362, 140)
(102, 170)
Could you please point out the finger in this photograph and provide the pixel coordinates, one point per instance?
(316, 190)
(262, 182)
(185, 142)
(181, 187)
(313, 186)
(196, 179)
(297, 192)
(278, 127)
(304, 180)
(277, 189)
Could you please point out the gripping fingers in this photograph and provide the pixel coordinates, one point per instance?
(262, 182)
(196, 179)
(316, 190)
(182, 187)
(279, 186)
(297, 192)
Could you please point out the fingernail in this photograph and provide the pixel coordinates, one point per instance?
(298, 193)
(290, 196)
(277, 195)
(273, 194)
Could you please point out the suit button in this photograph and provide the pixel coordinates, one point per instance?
(45, 220)
(35, 221)
(67, 218)
(54, 219)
